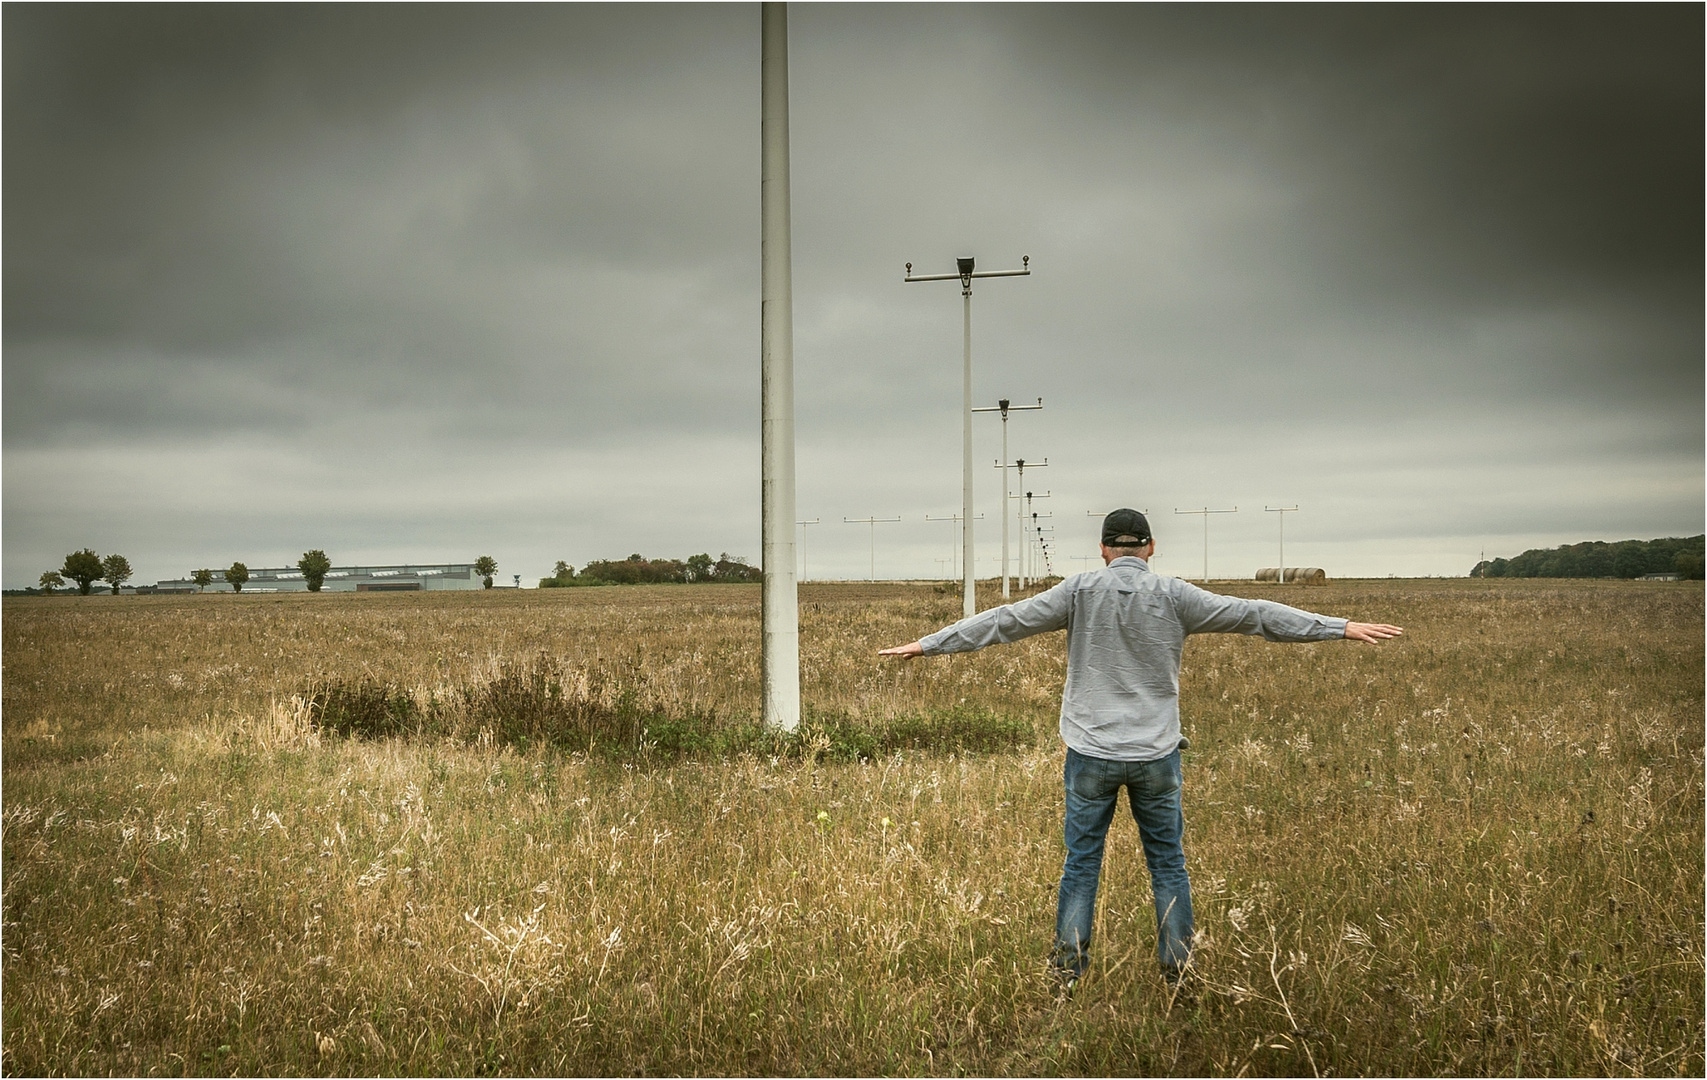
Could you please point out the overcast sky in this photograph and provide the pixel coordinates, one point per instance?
(425, 283)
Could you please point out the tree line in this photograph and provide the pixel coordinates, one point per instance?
(84, 568)
(639, 570)
(1599, 559)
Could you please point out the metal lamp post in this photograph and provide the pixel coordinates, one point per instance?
(954, 543)
(1206, 512)
(1282, 511)
(814, 521)
(1004, 408)
(964, 273)
(872, 521)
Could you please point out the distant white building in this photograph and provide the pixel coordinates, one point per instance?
(435, 577)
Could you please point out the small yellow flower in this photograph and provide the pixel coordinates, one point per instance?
(887, 823)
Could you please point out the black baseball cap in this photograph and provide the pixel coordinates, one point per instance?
(1125, 528)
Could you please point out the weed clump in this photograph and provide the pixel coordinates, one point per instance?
(612, 709)
(365, 709)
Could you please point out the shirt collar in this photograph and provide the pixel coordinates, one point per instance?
(1129, 560)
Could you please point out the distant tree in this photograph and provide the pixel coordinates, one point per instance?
(734, 568)
(634, 570)
(314, 565)
(83, 567)
(1689, 564)
(115, 571)
(699, 567)
(1596, 558)
(202, 578)
(562, 577)
(486, 566)
(52, 581)
(237, 575)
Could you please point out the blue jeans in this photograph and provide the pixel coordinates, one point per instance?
(1153, 789)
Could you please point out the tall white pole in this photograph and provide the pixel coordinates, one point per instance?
(1021, 503)
(781, 602)
(1206, 512)
(873, 521)
(969, 587)
(1004, 500)
(1282, 511)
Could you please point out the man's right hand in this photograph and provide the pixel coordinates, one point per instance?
(1373, 633)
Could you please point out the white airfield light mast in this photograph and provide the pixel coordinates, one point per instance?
(814, 521)
(954, 544)
(873, 522)
(1206, 512)
(781, 595)
(1282, 511)
(1004, 408)
(964, 274)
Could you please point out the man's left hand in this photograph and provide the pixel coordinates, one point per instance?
(1373, 633)
(905, 652)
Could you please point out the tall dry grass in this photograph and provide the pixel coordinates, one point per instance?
(1476, 849)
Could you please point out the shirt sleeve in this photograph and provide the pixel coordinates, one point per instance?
(1039, 614)
(1203, 612)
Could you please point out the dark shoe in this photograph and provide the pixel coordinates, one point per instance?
(1182, 990)
(1065, 983)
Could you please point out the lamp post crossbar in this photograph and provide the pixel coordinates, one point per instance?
(964, 273)
(1205, 511)
(1004, 407)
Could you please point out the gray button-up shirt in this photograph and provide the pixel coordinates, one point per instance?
(1126, 630)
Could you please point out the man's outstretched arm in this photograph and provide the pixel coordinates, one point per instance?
(998, 625)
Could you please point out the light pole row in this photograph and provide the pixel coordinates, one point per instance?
(1004, 408)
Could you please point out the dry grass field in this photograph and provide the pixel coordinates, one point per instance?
(1478, 849)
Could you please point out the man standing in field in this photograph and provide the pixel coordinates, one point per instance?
(1126, 630)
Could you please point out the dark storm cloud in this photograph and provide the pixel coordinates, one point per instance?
(376, 208)
(500, 264)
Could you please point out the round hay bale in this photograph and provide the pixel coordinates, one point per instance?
(1301, 575)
